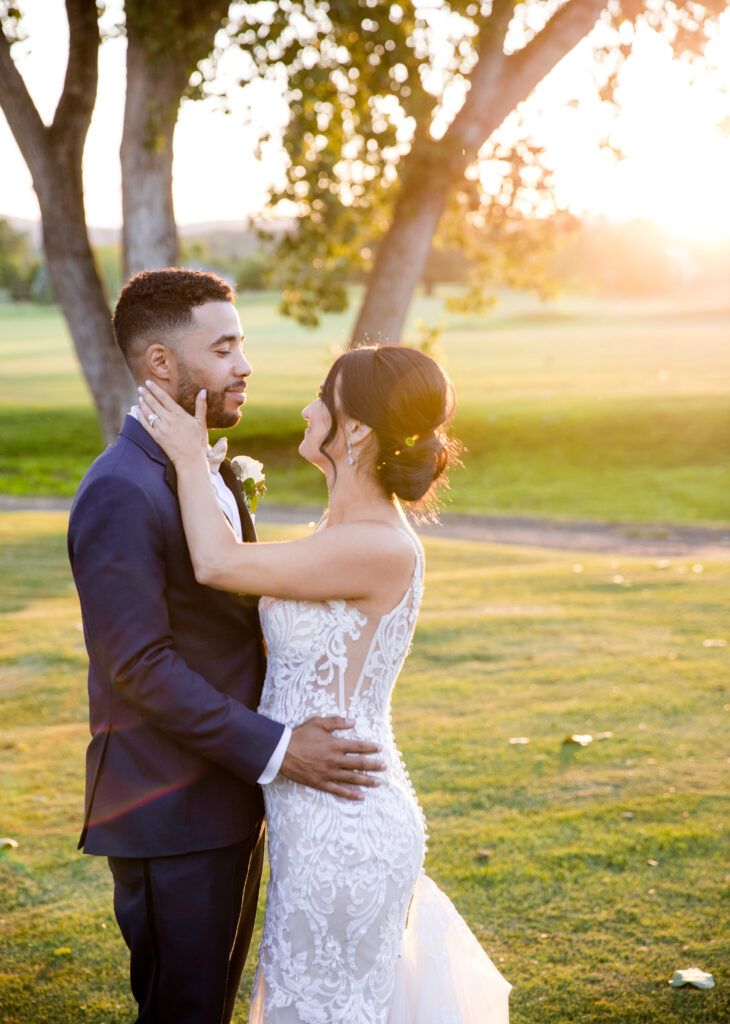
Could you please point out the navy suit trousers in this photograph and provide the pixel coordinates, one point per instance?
(188, 921)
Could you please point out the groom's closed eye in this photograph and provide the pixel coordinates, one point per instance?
(228, 350)
(227, 342)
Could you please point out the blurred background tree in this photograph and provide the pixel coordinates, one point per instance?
(395, 109)
(22, 275)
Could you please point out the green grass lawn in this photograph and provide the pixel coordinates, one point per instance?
(609, 864)
(610, 410)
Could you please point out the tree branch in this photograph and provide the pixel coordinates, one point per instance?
(499, 85)
(444, 156)
(24, 120)
(36, 141)
(488, 71)
(76, 105)
(565, 30)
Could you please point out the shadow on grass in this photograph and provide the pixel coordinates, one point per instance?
(631, 459)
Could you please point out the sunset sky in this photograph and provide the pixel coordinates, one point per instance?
(675, 134)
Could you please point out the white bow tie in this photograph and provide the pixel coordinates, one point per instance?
(216, 454)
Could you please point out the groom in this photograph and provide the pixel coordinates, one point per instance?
(175, 673)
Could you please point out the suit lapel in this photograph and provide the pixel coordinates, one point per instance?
(133, 431)
(171, 477)
(248, 531)
(231, 481)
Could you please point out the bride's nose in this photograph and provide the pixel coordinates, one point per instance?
(306, 411)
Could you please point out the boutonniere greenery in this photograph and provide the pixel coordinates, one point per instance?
(251, 476)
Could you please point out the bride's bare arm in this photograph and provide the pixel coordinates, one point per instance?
(314, 757)
(356, 561)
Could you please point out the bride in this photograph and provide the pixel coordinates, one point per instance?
(355, 932)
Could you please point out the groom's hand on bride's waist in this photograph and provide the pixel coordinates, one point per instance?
(335, 764)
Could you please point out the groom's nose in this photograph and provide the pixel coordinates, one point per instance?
(242, 367)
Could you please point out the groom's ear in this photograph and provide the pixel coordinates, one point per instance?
(158, 361)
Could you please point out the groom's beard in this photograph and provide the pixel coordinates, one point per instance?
(217, 416)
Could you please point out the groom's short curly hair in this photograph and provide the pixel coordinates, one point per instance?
(158, 301)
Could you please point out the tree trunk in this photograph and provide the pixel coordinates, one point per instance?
(80, 294)
(165, 43)
(498, 84)
(54, 158)
(399, 265)
(149, 233)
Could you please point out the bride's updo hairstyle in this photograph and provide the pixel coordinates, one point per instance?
(405, 397)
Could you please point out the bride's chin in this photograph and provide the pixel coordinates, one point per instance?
(306, 454)
(314, 460)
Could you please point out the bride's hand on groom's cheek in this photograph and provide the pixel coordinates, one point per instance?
(180, 435)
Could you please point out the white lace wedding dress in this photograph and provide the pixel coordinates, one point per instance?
(346, 876)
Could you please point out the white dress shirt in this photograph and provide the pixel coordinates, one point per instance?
(229, 508)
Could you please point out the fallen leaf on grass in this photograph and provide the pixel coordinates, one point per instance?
(578, 739)
(692, 976)
(628, 815)
(8, 844)
(482, 854)
(62, 951)
(714, 643)
(519, 741)
(653, 863)
(604, 735)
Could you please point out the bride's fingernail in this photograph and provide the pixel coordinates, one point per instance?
(204, 393)
(148, 382)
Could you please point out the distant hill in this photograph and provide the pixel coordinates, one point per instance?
(229, 238)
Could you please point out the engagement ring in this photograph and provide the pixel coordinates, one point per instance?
(152, 419)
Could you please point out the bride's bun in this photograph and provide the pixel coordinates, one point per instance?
(409, 471)
(405, 397)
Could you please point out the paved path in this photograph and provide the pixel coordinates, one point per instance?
(647, 539)
(642, 539)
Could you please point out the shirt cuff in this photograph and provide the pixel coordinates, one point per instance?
(275, 761)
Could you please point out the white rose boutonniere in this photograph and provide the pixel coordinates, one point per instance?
(251, 475)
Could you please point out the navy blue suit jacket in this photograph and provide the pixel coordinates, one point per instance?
(175, 668)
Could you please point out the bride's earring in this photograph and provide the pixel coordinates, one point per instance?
(350, 458)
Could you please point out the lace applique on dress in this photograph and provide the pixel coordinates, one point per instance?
(342, 872)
